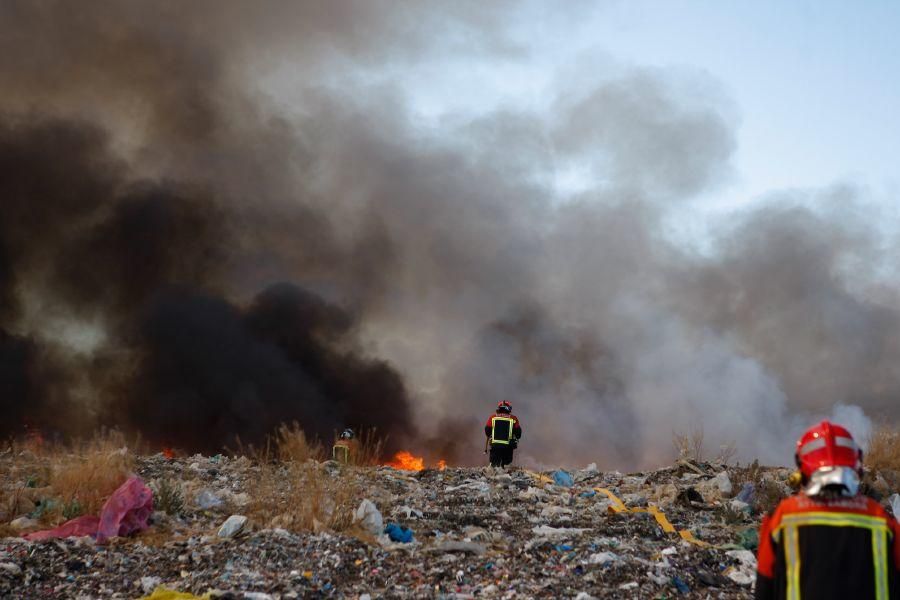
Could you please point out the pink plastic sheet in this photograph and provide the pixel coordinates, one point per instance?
(126, 511)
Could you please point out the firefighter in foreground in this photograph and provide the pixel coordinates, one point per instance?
(828, 540)
(503, 432)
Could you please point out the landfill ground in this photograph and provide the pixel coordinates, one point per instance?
(476, 532)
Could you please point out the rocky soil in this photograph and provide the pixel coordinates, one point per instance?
(476, 532)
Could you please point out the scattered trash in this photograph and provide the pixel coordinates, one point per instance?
(398, 533)
(749, 538)
(208, 499)
(165, 594)
(453, 546)
(232, 526)
(563, 479)
(148, 584)
(23, 523)
(745, 572)
(894, 502)
(723, 482)
(547, 531)
(126, 511)
(499, 531)
(747, 493)
(680, 585)
(603, 558)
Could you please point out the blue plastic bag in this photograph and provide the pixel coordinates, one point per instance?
(563, 479)
(398, 533)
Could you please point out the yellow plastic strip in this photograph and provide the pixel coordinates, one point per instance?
(661, 519)
(617, 505)
(688, 536)
(539, 477)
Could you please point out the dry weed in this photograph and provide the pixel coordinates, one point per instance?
(690, 447)
(83, 478)
(291, 444)
(303, 496)
(883, 452)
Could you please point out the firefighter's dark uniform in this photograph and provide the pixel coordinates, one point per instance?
(819, 548)
(503, 431)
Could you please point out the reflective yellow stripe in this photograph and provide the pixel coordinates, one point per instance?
(340, 449)
(790, 524)
(494, 439)
(879, 555)
(792, 558)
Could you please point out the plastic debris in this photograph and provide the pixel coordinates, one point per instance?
(747, 493)
(723, 482)
(232, 526)
(453, 546)
(603, 558)
(894, 502)
(126, 511)
(165, 594)
(680, 585)
(745, 572)
(398, 533)
(208, 499)
(749, 538)
(148, 584)
(23, 523)
(368, 515)
(563, 479)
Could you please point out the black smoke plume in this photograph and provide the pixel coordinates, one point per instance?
(217, 216)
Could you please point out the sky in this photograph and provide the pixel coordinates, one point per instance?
(813, 85)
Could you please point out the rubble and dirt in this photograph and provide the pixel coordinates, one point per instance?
(474, 532)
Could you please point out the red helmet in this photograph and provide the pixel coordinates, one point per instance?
(504, 407)
(827, 445)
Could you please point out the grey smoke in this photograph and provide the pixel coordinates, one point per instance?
(463, 263)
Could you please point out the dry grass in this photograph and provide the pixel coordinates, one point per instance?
(303, 497)
(883, 452)
(294, 490)
(690, 447)
(69, 480)
(84, 478)
(292, 445)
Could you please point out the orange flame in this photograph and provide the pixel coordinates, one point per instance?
(407, 462)
(442, 464)
(168, 453)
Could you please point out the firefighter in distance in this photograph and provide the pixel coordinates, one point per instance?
(503, 432)
(345, 447)
(828, 540)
